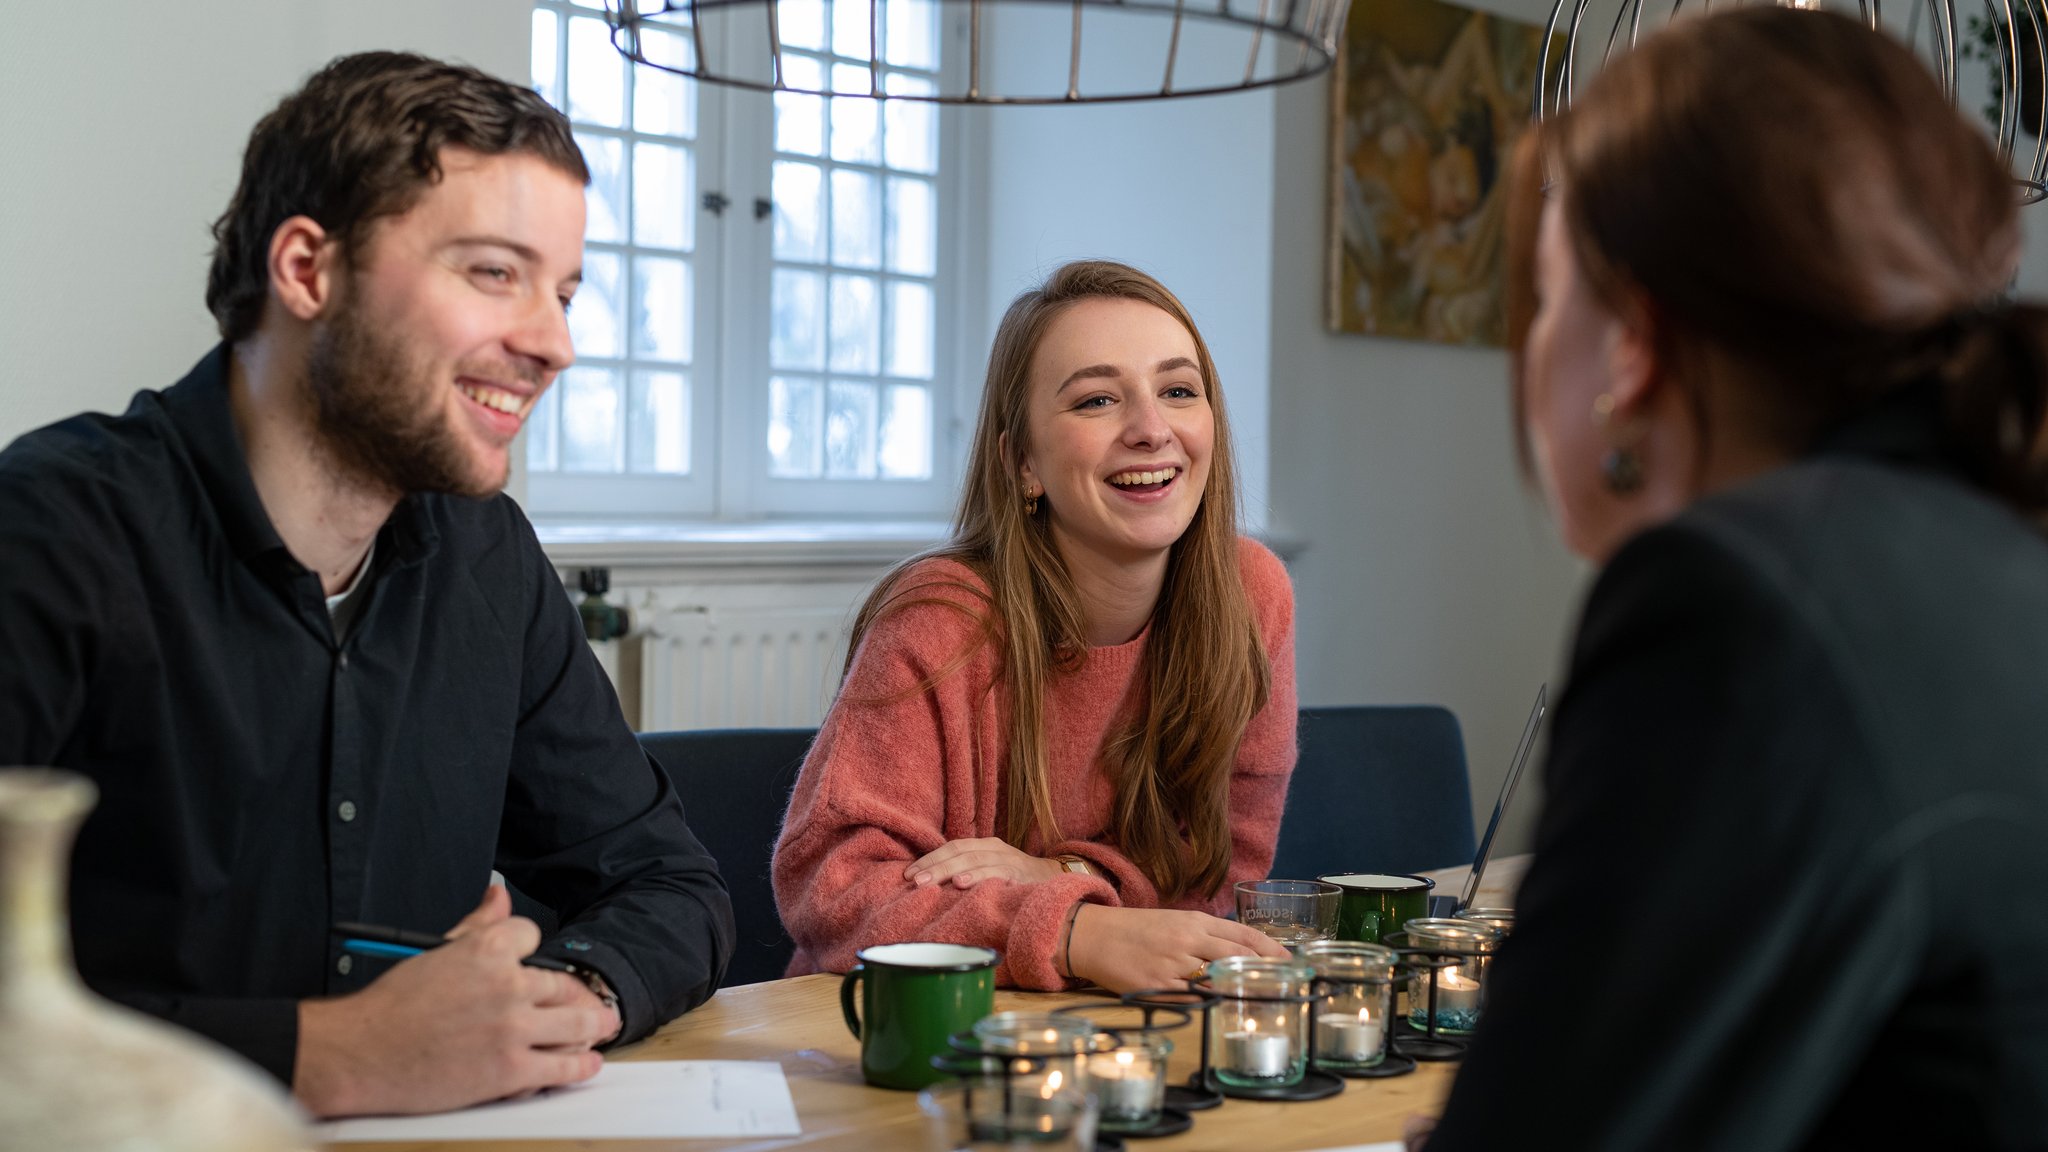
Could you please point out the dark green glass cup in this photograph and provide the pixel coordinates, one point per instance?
(1375, 904)
(914, 996)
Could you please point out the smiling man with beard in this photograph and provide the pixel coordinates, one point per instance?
(318, 665)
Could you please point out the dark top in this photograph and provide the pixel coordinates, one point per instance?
(260, 781)
(1791, 879)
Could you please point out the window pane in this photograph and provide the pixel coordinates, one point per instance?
(856, 219)
(799, 211)
(605, 200)
(793, 427)
(664, 104)
(542, 425)
(856, 135)
(594, 317)
(906, 452)
(910, 330)
(850, 33)
(597, 75)
(912, 127)
(660, 423)
(590, 420)
(800, 119)
(801, 23)
(913, 227)
(797, 320)
(547, 56)
(661, 196)
(850, 431)
(661, 308)
(912, 27)
(856, 327)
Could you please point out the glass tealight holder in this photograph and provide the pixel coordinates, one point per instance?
(983, 1113)
(1043, 1047)
(1501, 920)
(1291, 912)
(1450, 973)
(1357, 1002)
(1129, 1080)
(1258, 1035)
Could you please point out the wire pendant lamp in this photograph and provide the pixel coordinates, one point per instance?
(1012, 51)
(2011, 39)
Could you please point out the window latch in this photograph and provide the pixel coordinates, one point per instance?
(716, 203)
(763, 208)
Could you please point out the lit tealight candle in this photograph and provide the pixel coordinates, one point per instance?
(1128, 1083)
(1345, 1037)
(1256, 1055)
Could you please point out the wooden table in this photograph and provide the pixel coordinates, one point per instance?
(797, 1024)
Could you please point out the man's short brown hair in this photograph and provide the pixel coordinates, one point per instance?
(362, 140)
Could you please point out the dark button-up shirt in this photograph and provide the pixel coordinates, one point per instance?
(261, 779)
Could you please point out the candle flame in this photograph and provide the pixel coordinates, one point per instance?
(1126, 1058)
(1053, 1080)
(1364, 1016)
(1251, 1025)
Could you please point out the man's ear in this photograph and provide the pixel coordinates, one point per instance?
(302, 267)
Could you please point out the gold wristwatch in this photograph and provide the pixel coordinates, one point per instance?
(1072, 863)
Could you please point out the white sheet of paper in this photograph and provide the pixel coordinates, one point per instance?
(642, 1100)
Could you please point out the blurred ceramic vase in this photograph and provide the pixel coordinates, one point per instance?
(80, 1073)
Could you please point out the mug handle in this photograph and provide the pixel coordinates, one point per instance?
(846, 984)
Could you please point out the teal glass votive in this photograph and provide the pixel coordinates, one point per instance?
(1258, 1034)
(1357, 1002)
(1450, 981)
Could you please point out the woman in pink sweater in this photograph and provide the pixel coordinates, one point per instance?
(1065, 734)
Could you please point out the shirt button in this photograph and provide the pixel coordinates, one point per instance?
(347, 811)
(344, 964)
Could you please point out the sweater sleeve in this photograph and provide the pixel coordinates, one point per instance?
(894, 774)
(1265, 755)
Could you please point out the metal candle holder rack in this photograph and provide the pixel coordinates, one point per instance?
(1392, 1061)
(971, 1058)
(1173, 1115)
(1431, 1041)
(1204, 1085)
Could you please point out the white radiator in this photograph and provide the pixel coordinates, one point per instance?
(735, 667)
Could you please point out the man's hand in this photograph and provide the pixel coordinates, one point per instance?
(965, 863)
(454, 1026)
(1126, 949)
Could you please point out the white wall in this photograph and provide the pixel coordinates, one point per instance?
(1180, 188)
(124, 128)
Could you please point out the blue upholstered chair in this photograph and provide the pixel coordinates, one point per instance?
(735, 785)
(1376, 789)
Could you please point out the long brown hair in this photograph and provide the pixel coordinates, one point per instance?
(1790, 194)
(1204, 672)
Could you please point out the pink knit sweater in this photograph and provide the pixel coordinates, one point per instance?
(895, 773)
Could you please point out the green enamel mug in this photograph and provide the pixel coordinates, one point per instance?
(914, 996)
(1375, 904)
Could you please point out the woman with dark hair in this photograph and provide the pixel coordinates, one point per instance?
(1791, 880)
(1067, 732)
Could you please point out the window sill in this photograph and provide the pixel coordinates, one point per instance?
(643, 545)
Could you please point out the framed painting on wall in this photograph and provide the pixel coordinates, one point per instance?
(1426, 103)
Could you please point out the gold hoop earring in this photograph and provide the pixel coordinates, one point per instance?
(1031, 504)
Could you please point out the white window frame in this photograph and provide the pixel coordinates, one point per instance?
(729, 371)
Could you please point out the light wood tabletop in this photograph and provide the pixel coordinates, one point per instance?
(797, 1024)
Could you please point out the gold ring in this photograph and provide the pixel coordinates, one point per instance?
(1201, 971)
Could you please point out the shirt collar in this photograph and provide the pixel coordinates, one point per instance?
(198, 408)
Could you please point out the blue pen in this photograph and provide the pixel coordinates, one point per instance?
(399, 943)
